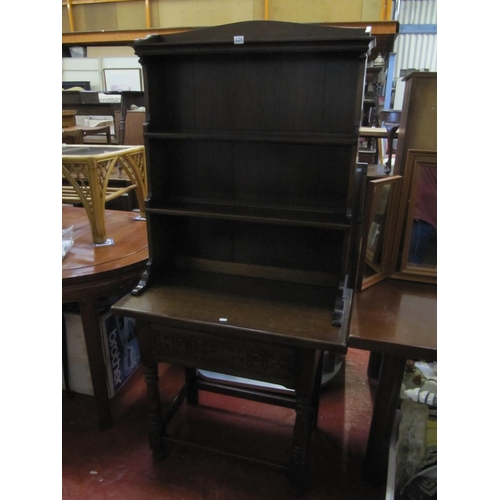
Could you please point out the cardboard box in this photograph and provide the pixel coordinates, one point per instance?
(120, 348)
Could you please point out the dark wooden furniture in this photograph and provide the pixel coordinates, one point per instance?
(397, 320)
(76, 101)
(251, 138)
(90, 273)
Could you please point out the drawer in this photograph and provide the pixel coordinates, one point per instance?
(238, 357)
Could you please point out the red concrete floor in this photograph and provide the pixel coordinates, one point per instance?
(117, 463)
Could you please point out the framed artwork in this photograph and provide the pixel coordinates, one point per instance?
(415, 249)
(119, 79)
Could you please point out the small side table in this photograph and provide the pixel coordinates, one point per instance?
(88, 169)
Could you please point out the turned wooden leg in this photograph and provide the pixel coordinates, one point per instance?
(153, 400)
(306, 414)
(155, 424)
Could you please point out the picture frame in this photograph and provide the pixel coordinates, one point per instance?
(402, 268)
(382, 200)
(122, 79)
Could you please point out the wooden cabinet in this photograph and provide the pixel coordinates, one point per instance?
(418, 126)
(251, 137)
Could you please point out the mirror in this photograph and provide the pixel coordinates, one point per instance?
(415, 257)
(379, 223)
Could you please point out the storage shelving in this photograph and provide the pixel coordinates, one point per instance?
(253, 211)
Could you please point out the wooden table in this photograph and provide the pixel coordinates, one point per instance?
(399, 320)
(278, 342)
(88, 170)
(90, 272)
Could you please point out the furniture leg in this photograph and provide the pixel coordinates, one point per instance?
(373, 370)
(308, 361)
(191, 376)
(95, 206)
(92, 332)
(317, 389)
(121, 134)
(156, 428)
(155, 424)
(134, 165)
(65, 363)
(384, 412)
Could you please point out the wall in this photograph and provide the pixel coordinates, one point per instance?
(128, 15)
(191, 13)
(317, 11)
(110, 51)
(416, 45)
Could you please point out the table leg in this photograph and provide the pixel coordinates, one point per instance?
(65, 361)
(191, 376)
(91, 323)
(155, 424)
(384, 412)
(156, 428)
(308, 361)
(374, 362)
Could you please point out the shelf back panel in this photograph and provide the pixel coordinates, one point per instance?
(285, 175)
(249, 248)
(309, 92)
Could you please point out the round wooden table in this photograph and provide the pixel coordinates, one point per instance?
(91, 272)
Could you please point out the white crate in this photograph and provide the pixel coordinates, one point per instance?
(120, 348)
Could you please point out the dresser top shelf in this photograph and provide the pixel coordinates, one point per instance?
(260, 36)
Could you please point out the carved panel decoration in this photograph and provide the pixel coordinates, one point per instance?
(237, 357)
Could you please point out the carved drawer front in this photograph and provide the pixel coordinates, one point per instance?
(232, 356)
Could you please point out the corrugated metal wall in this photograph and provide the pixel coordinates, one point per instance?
(416, 50)
(417, 12)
